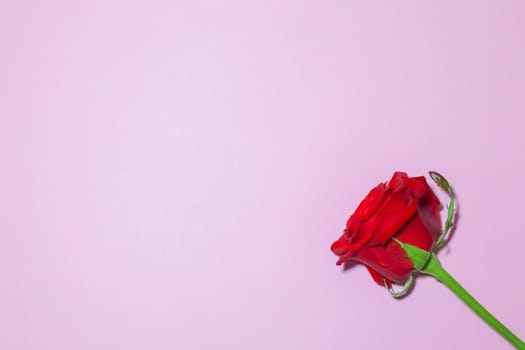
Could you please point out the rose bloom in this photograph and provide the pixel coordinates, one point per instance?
(404, 208)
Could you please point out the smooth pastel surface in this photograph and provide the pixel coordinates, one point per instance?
(174, 172)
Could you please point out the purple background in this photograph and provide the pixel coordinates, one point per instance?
(173, 173)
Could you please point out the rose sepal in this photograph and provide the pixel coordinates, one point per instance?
(418, 256)
(442, 182)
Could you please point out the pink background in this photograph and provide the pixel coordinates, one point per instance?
(173, 173)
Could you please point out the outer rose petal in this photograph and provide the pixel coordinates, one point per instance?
(429, 213)
(398, 181)
(418, 186)
(390, 228)
(416, 234)
(346, 247)
(377, 277)
(389, 261)
(340, 247)
(368, 205)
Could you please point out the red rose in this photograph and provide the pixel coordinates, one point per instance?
(404, 208)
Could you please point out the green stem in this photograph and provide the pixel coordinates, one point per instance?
(435, 269)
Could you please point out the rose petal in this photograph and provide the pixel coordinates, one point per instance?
(377, 277)
(393, 227)
(389, 261)
(340, 247)
(398, 181)
(416, 234)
